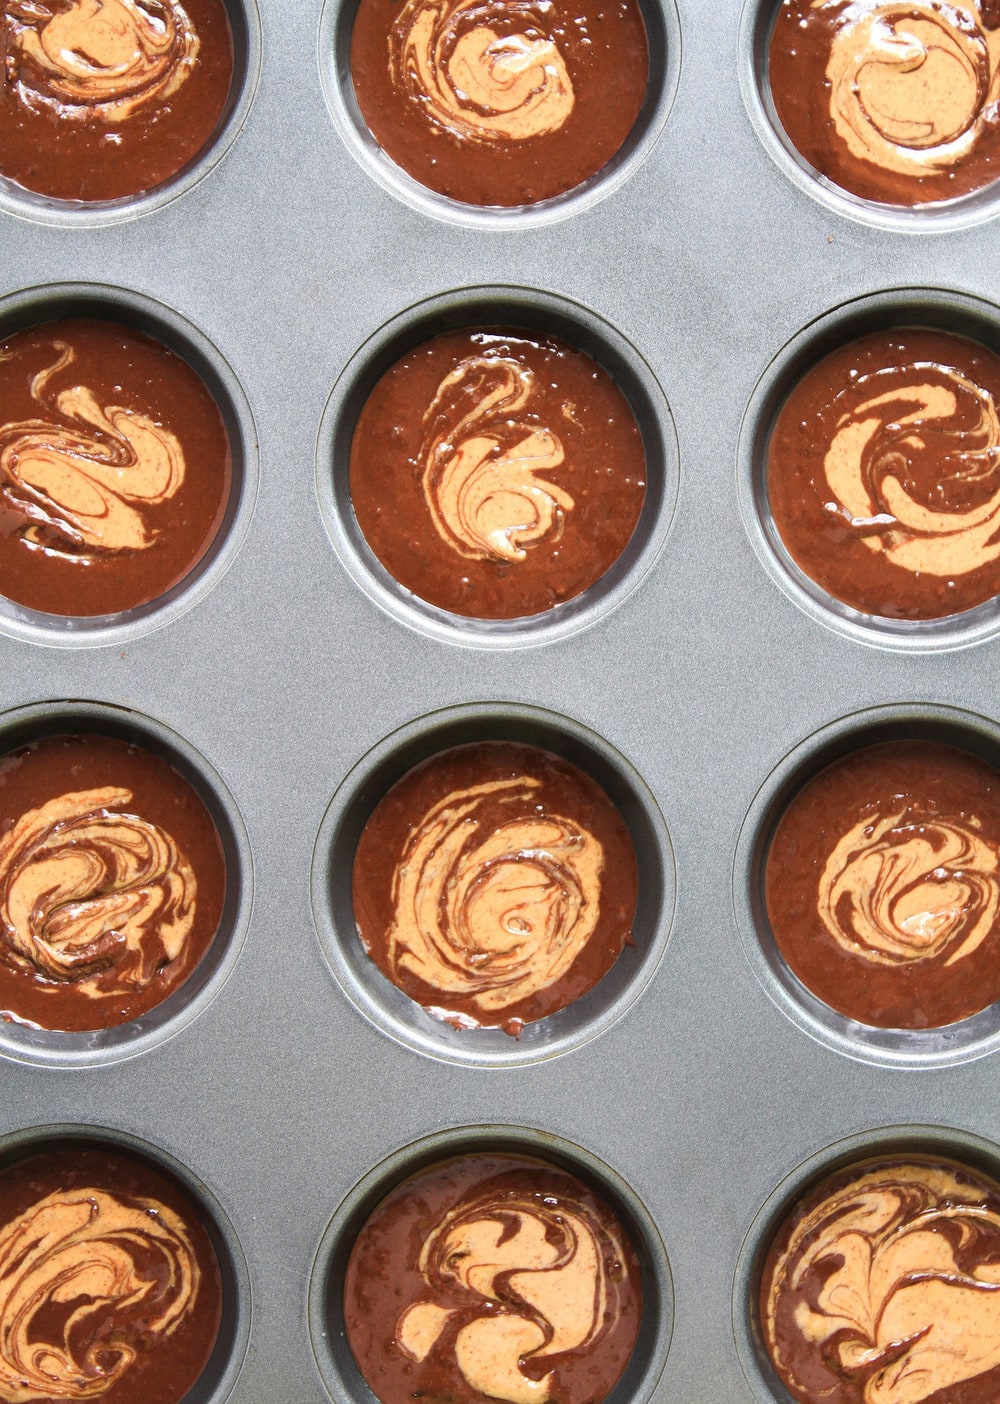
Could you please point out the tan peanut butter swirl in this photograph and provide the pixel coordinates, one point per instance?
(912, 85)
(482, 465)
(103, 58)
(906, 888)
(475, 83)
(82, 484)
(911, 1309)
(538, 1269)
(89, 1261)
(93, 895)
(880, 444)
(493, 911)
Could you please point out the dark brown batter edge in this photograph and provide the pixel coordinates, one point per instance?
(100, 396)
(494, 884)
(908, 526)
(802, 39)
(100, 979)
(891, 1266)
(501, 145)
(514, 1212)
(882, 885)
(58, 139)
(69, 1207)
(555, 457)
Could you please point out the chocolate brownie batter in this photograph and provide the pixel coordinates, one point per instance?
(881, 1287)
(492, 1277)
(494, 884)
(112, 882)
(893, 100)
(109, 1285)
(115, 468)
(883, 474)
(497, 474)
(102, 99)
(882, 885)
(500, 102)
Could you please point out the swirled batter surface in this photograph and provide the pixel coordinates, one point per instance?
(102, 99)
(497, 474)
(883, 1287)
(499, 102)
(882, 885)
(494, 884)
(493, 1277)
(892, 100)
(109, 1285)
(883, 474)
(115, 468)
(112, 881)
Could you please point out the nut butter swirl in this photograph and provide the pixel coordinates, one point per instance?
(493, 911)
(912, 85)
(481, 465)
(92, 895)
(92, 1263)
(890, 1285)
(933, 423)
(98, 58)
(81, 484)
(473, 82)
(537, 1266)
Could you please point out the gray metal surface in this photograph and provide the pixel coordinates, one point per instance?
(707, 257)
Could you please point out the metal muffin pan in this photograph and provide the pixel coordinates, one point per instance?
(283, 670)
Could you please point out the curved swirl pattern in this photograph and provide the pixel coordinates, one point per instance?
(474, 83)
(903, 889)
(481, 465)
(100, 58)
(76, 482)
(896, 1283)
(913, 84)
(876, 454)
(538, 1268)
(92, 895)
(493, 910)
(87, 1260)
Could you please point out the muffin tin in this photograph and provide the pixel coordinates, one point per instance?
(294, 681)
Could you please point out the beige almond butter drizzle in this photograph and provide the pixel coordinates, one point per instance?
(78, 1250)
(913, 84)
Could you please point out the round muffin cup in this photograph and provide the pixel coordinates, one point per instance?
(386, 1006)
(938, 1047)
(756, 26)
(244, 22)
(334, 1359)
(215, 1384)
(761, 1376)
(934, 308)
(34, 307)
(512, 309)
(663, 34)
(60, 1049)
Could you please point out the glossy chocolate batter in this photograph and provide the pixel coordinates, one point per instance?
(892, 100)
(883, 474)
(497, 474)
(109, 1285)
(102, 99)
(882, 885)
(115, 468)
(492, 1277)
(112, 882)
(494, 884)
(500, 102)
(881, 1287)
